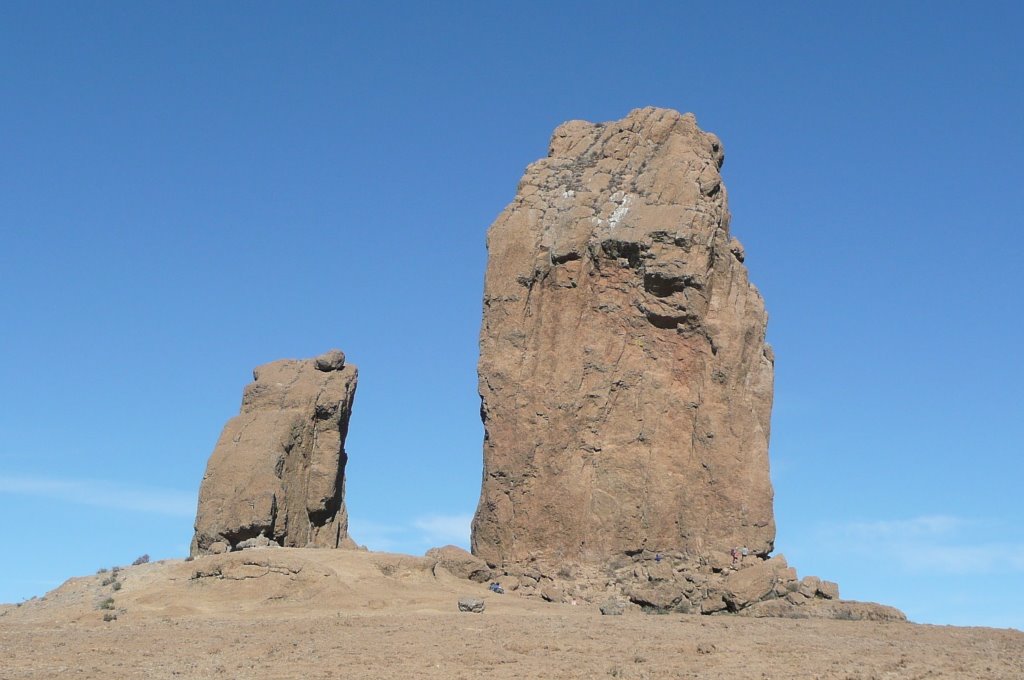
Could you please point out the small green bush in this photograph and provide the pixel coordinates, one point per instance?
(116, 585)
(108, 580)
(107, 603)
(102, 570)
(142, 559)
(110, 616)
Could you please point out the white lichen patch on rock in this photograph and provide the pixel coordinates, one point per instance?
(619, 212)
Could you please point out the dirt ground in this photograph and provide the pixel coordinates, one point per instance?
(326, 614)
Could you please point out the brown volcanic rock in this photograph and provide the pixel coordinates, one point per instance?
(626, 384)
(278, 470)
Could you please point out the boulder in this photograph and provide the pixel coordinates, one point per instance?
(552, 593)
(660, 571)
(332, 360)
(612, 607)
(809, 586)
(257, 542)
(277, 473)
(460, 563)
(750, 585)
(218, 548)
(796, 597)
(508, 584)
(717, 560)
(625, 381)
(659, 597)
(471, 604)
(713, 604)
(828, 590)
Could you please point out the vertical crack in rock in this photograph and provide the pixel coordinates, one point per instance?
(277, 473)
(626, 395)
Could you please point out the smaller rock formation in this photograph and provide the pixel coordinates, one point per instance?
(277, 474)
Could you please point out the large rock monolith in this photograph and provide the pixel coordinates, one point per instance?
(625, 381)
(278, 470)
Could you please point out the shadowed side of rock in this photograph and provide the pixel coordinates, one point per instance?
(277, 473)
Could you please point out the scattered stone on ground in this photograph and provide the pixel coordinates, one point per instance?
(471, 604)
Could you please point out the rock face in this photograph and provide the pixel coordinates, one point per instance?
(278, 470)
(625, 381)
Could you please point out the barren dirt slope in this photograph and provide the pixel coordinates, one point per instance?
(290, 613)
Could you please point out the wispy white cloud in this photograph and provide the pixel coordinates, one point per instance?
(377, 535)
(102, 494)
(930, 544)
(414, 537)
(445, 528)
(967, 559)
(903, 529)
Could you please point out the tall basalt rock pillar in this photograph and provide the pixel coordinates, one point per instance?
(277, 473)
(625, 381)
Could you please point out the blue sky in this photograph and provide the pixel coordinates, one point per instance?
(190, 190)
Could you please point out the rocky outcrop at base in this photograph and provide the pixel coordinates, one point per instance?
(277, 474)
(840, 610)
(658, 583)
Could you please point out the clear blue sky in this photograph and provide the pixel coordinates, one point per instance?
(188, 190)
